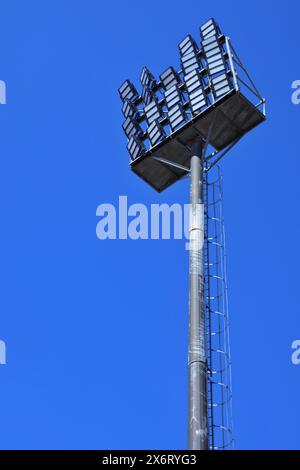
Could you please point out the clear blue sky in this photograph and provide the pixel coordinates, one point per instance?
(96, 331)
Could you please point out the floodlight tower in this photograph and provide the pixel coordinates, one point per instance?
(183, 124)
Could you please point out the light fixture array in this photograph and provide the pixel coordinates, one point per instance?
(169, 103)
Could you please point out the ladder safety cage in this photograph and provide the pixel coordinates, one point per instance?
(217, 317)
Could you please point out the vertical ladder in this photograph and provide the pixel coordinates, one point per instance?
(217, 317)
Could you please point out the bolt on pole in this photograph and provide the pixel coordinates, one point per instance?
(197, 361)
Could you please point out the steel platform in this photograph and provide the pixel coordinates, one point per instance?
(232, 116)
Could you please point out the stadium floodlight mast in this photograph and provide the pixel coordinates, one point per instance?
(210, 103)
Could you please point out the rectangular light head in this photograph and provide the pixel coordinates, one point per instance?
(214, 55)
(210, 43)
(210, 28)
(216, 64)
(135, 147)
(187, 45)
(172, 96)
(189, 62)
(152, 111)
(169, 78)
(127, 91)
(156, 133)
(198, 100)
(221, 85)
(192, 81)
(147, 95)
(176, 117)
(128, 109)
(147, 78)
(130, 127)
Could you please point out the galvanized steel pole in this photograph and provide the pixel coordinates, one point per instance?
(197, 361)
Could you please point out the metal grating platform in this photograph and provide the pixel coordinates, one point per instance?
(231, 117)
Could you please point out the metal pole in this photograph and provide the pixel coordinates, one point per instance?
(197, 362)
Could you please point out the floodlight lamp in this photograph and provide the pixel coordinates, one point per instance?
(210, 28)
(128, 109)
(198, 100)
(131, 127)
(176, 117)
(216, 64)
(221, 85)
(187, 45)
(147, 95)
(192, 81)
(210, 43)
(135, 147)
(128, 91)
(172, 96)
(169, 78)
(147, 79)
(153, 111)
(214, 56)
(189, 62)
(156, 133)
